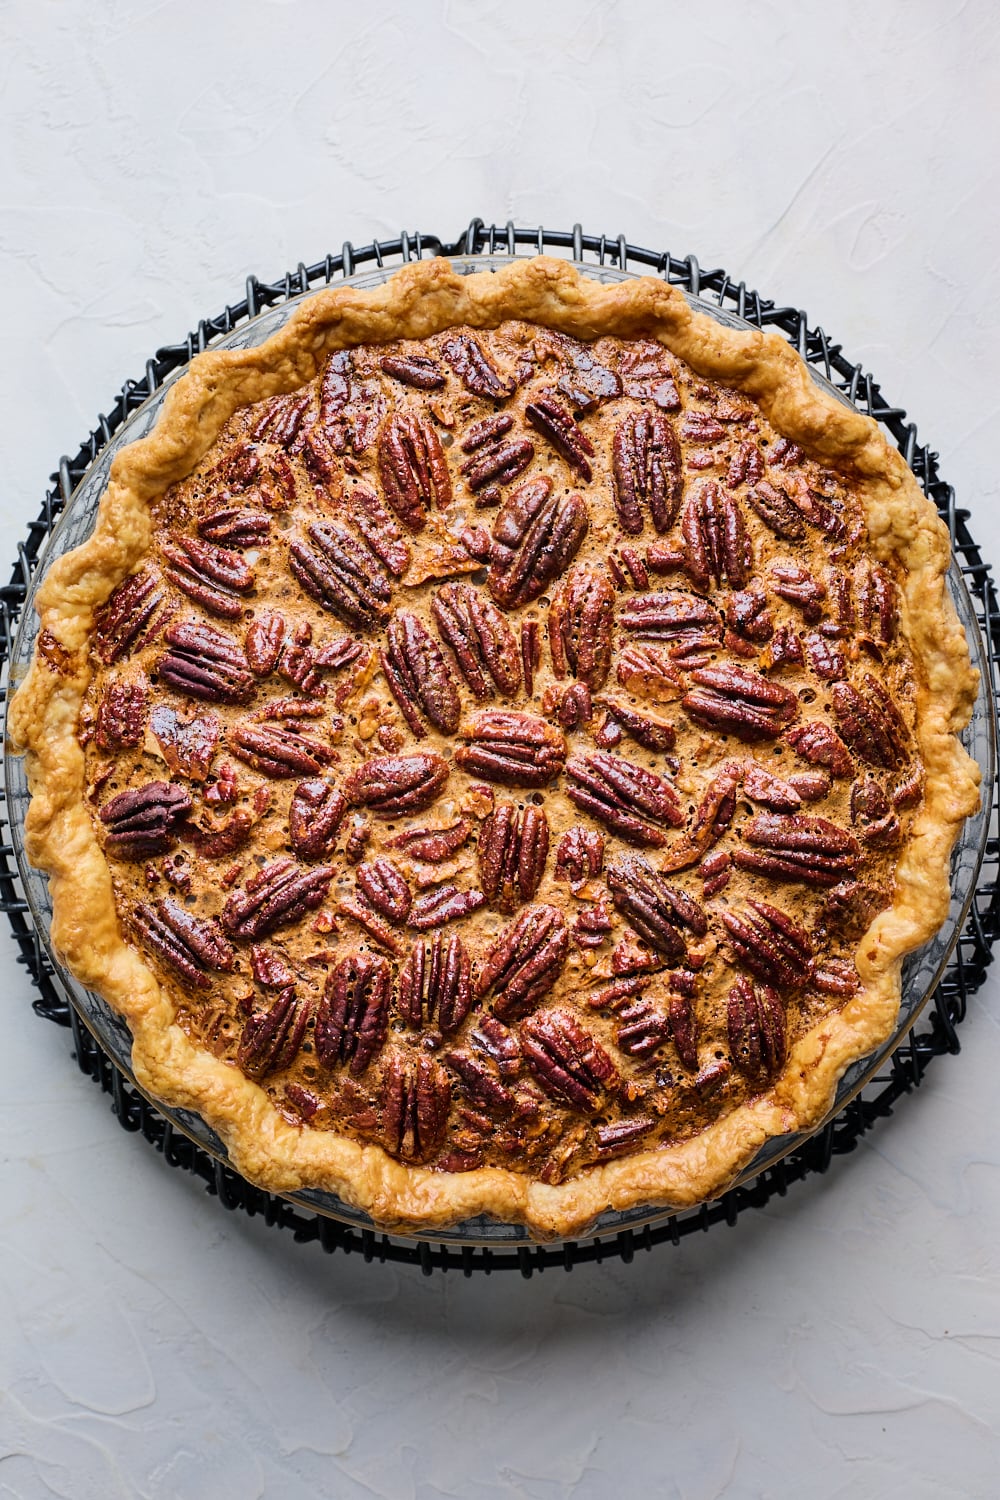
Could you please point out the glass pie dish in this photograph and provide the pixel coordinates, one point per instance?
(921, 969)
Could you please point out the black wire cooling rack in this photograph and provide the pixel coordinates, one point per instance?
(934, 1035)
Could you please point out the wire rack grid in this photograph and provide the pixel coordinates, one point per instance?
(936, 1034)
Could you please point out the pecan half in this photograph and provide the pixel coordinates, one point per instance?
(278, 750)
(214, 840)
(209, 575)
(353, 1015)
(836, 976)
(272, 1038)
(825, 657)
(909, 791)
(535, 537)
(349, 413)
(203, 662)
(280, 893)
(432, 844)
(357, 842)
(480, 637)
(746, 467)
(756, 1025)
(567, 1061)
(525, 961)
(188, 745)
(435, 984)
(298, 662)
(486, 432)
(777, 510)
(392, 784)
(592, 924)
(647, 374)
(875, 602)
(748, 616)
(581, 620)
(548, 415)
(785, 454)
(580, 857)
(314, 818)
(498, 1042)
(497, 463)
(418, 370)
(513, 749)
(626, 798)
(531, 653)
(479, 1083)
(655, 908)
(320, 445)
(871, 723)
(621, 1136)
(130, 615)
(820, 745)
(811, 786)
(267, 475)
(418, 676)
(281, 418)
(642, 1028)
(235, 525)
(413, 469)
(269, 968)
(369, 921)
(717, 544)
(684, 1030)
(511, 853)
(715, 872)
(761, 786)
(335, 386)
(646, 471)
(444, 904)
(702, 427)
(263, 642)
(770, 944)
(798, 586)
(189, 944)
(586, 382)
(741, 702)
(143, 820)
(569, 706)
(636, 567)
(386, 889)
(689, 623)
(712, 817)
(341, 574)
(475, 369)
(121, 715)
(649, 672)
(820, 511)
(811, 850)
(416, 1098)
(783, 650)
(379, 529)
(54, 654)
(653, 734)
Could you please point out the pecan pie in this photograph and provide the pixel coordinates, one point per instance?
(498, 745)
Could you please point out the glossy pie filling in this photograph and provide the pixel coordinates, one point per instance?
(503, 748)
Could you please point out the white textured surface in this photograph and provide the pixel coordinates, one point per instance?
(844, 1342)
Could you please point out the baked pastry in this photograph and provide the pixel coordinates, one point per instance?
(498, 746)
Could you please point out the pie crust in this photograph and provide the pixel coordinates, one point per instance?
(921, 653)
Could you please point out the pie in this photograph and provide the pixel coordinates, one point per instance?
(498, 745)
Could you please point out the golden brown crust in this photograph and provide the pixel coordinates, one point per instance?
(421, 300)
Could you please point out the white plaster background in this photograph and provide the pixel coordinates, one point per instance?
(845, 1341)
